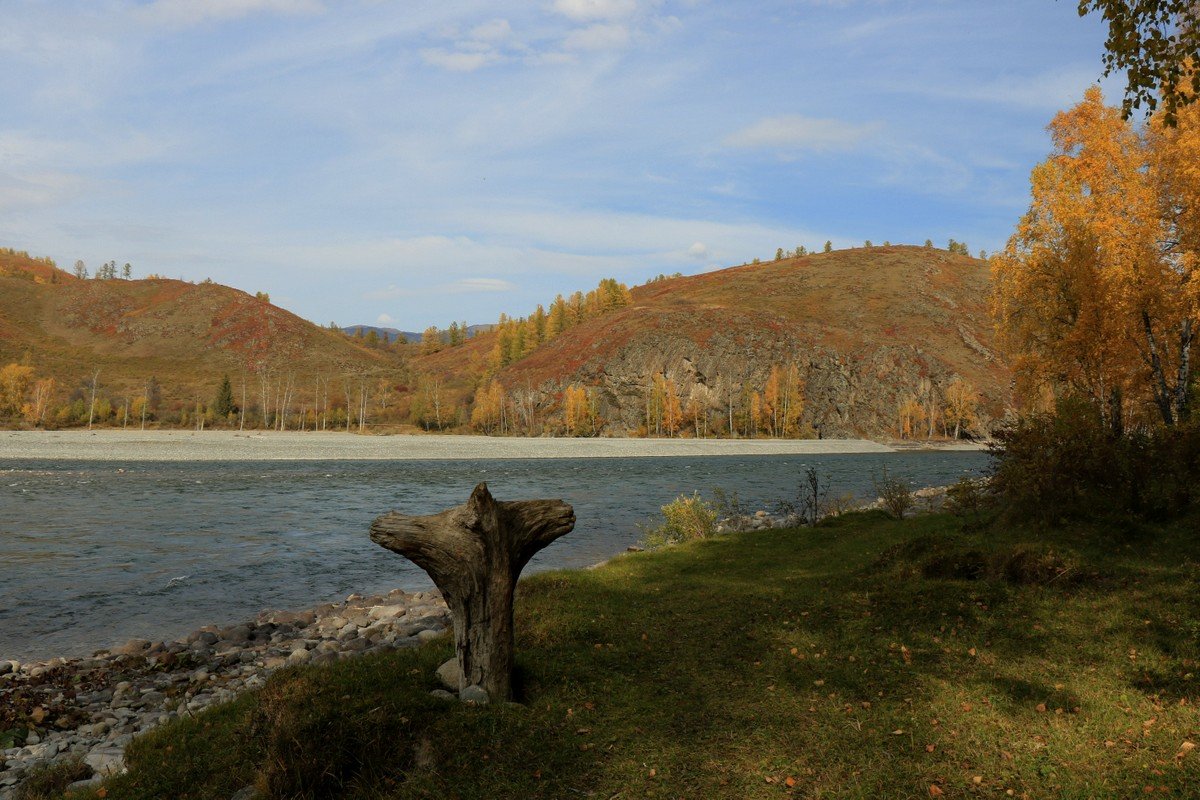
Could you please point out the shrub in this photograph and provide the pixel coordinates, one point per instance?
(895, 493)
(684, 519)
(728, 509)
(1054, 467)
(969, 498)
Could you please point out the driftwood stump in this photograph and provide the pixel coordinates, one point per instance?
(475, 553)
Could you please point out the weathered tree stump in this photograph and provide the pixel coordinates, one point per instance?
(475, 553)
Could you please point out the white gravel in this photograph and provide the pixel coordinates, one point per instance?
(119, 445)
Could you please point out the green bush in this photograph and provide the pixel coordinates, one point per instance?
(684, 519)
(1054, 467)
(895, 493)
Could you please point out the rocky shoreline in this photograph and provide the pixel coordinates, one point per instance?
(90, 708)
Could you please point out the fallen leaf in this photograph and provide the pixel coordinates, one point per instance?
(37, 715)
(790, 781)
(966, 707)
(978, 779)
(935, 790)
(653, 772)
(929, 748)
(898, 732)
(1040, 708)
(971, 652)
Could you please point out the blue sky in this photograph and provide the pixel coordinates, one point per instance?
(413, 163)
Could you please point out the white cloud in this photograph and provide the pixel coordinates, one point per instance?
(493, 30)
(481, 285)
(182, 13)
(587, 10)
(605, 36)
(457, 61)
(698, 251)
(384, 319)
(792, 132)
(460, 286)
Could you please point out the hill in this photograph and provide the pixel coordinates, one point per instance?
(185, 336)
(874, 332)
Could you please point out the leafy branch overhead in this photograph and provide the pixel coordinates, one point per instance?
(1155, 43)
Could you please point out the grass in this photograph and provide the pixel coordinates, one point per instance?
(864, 658)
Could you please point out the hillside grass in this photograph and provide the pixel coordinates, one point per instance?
(865, 658)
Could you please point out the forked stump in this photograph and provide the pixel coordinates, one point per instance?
(475, 553)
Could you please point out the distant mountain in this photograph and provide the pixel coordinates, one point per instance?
(387, 334)
(411, 337)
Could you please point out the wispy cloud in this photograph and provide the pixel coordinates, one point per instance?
(793, 133)
(604, 36)
(459, 61)
(587, 10)
(460, 286)
(185, 13)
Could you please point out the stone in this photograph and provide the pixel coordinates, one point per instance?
(299, 656)
(428, 634)
(86, 783)
(106, 759)
(134, 647)
(244, 793)
(442, 694)
(386, 612)
(448, 673)
(474, 695)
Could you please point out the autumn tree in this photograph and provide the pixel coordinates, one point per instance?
(15, 380)
(910, 413)
(1095, 293)
(962, 406)
(1154, 42)
(580, 415)
(431, 340)
(488, 411)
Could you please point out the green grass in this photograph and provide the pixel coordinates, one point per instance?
(836, 662)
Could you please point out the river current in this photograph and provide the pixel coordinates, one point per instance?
(95, 553)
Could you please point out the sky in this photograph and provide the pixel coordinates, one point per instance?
(409, 163)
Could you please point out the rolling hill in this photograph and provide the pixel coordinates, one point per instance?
(868, 328)
(869, 331)
(186, 336)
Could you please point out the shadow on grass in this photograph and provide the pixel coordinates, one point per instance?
(837, 658)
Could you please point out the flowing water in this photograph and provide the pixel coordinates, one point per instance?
(95, 553)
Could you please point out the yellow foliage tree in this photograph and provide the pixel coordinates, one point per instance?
(488, 413)
(962, 406)
(39, 401)
(15, 380)
(1095, 282)
(910, 413)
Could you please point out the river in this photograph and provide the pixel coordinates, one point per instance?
(93, 553)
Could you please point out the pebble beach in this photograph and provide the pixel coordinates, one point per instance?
(156, 445)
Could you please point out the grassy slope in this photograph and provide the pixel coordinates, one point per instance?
(885, 315)
(187, 335)
(737, 666)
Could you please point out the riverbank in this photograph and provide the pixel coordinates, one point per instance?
(864, 658)
(90, 709)
(135, 445)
